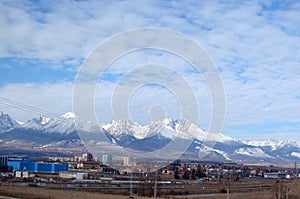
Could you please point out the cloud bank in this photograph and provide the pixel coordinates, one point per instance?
(254, 45)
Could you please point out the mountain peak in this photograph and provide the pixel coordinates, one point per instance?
(3, 114)
(68, 115)
(6, 122)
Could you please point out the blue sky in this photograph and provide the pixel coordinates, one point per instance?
(254, 45)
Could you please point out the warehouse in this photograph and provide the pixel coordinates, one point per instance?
(25, 164)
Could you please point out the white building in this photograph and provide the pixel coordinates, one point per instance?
(106, 159)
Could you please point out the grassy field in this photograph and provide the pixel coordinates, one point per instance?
(270, 189)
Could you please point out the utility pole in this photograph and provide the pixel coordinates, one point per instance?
(287, 192)
(279, 191)
(155, 186)
(296, 172)
(131, 187)
(131, 180)
(228, 195)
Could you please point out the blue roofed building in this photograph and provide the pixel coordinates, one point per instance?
(25, 164)
(21, 164)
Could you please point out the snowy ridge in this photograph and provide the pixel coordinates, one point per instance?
(36, 123)
(260, 143)
(166, 128)
(125, 127)
(274, 144)
(64, 125)
(157, 134)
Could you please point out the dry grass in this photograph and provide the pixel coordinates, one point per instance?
(252, 195)
(44, 193)
(294, 189)
(271, 193)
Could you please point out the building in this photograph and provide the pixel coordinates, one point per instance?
(25, 164)
(21, 174)
(67, 175)
(3, 160)
(3, 163)
(77, 158)
(87, 157)
(277, 175)
(62, 159)
(128, 161)
(88, 165)
(21, 164)
(106, 159)
(81, 176)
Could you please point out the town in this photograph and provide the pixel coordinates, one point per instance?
(131, 178)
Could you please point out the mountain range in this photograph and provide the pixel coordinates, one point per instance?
(59, 136)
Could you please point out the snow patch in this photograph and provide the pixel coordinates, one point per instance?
(45, 120)
(254, 152)
(69, 115)
(20, 123)
(207, 150)
(219, 137)
(295, 154)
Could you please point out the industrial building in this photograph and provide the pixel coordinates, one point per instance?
(25, 164)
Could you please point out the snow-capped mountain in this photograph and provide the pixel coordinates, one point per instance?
(159, 133)
(42, 133)
(166, 128)
(289, 149)
(6, 122)
(121, 128)
(39, 136)
(36, 123)
(64, 124)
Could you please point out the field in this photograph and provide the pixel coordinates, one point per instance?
(45, 193)
(263, 189)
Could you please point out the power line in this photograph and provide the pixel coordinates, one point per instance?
(31, 109)
(79, 123)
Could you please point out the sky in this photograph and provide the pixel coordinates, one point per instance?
(254, 46)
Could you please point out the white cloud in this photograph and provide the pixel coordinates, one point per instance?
(53, 98)
(57, 99)
(254, 45)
